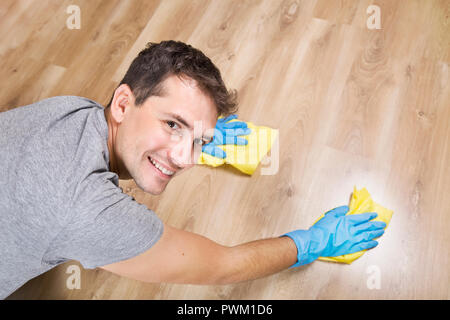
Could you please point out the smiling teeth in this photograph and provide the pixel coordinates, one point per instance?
(163, 170)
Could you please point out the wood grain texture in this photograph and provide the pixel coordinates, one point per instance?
(354, 106)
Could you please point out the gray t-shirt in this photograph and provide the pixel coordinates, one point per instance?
(58, 199)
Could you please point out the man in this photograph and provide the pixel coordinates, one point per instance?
(60, 200)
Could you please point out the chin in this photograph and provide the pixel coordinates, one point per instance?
(152, 189)
(155, 192)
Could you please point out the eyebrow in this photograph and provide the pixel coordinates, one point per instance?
(180, 119)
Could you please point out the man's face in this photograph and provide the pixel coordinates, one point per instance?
(156, 141)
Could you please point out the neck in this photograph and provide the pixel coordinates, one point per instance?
(112, 132)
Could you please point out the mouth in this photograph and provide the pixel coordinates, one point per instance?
(163, 172)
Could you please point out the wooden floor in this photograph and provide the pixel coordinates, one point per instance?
(354, 107)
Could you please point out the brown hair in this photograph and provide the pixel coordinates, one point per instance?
(160, 60)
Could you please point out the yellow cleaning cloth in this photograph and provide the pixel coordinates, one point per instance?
(245, 158)
(361, 202)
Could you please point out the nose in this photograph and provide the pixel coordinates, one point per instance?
(181, 153)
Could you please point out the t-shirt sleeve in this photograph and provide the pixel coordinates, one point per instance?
(107, 226)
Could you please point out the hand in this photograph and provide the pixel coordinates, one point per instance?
(337, 234)
(226, 132)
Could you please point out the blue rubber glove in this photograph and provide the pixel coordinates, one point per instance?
(336, 234)
(226, 132)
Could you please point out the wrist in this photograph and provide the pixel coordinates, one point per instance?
(306, 246)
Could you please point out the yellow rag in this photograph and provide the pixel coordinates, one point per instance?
(244, 157)
(361, 202)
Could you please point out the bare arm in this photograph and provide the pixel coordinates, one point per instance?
(185, 257)
(259, 258)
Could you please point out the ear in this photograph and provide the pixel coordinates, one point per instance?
(123, 99)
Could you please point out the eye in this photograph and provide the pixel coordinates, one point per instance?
(199, 141)
(172, 124)
(202, 141)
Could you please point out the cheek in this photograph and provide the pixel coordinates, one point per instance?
(154, 140)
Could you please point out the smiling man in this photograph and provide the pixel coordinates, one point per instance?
(62, 159)
(154, 142)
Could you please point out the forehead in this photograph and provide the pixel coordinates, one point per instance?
(182, 99)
